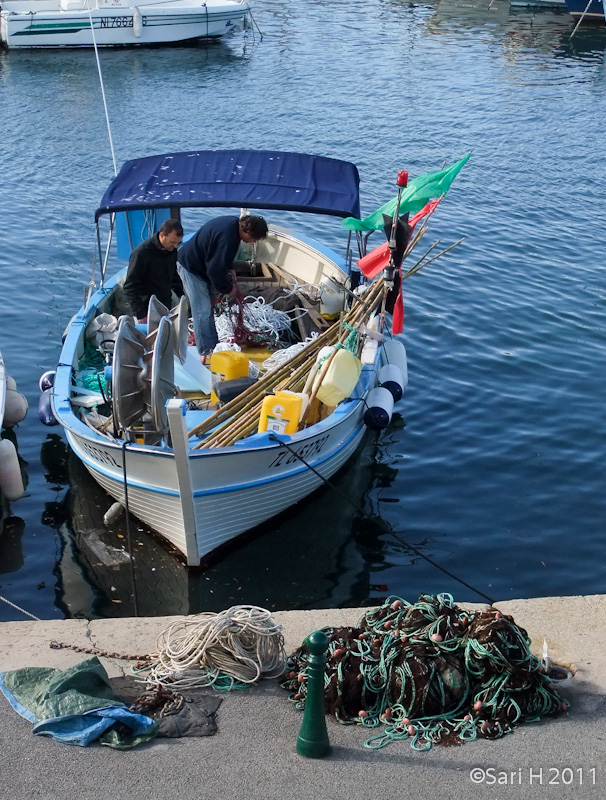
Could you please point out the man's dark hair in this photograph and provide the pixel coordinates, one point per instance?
(171, 226)
(254, 226)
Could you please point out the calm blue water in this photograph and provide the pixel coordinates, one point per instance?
(494, 468)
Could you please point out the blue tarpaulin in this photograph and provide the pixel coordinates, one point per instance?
(75, 706)
(255, 179)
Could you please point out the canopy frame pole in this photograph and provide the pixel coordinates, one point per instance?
(104, 259)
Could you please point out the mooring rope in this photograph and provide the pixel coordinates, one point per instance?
(430, 672)
(225, 650)
(18, 608)
(386, 527)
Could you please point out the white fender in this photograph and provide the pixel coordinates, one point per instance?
(394, 352)
(371, 343)
(11, 383)
(11, 481)
(113, 513)
(379, 409)
(391, 378)
(15, 408)
(137, 23)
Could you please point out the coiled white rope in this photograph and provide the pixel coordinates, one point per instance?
(312, 290)
(239, 645)
(282, 356)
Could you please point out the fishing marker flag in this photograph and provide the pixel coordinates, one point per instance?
(375, 261)
(418, 192)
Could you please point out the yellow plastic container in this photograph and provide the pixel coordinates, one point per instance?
(225, 365)
(340, 379)
(281, 412)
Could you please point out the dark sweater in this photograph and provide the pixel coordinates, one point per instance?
(151, 270)
(211, 251)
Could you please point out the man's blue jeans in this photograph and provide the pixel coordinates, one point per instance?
(198, 294)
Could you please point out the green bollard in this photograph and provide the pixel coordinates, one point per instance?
(312, 741)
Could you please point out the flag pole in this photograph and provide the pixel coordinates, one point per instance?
(389, 271)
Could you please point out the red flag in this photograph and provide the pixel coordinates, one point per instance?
(397, 319)
(375, 261)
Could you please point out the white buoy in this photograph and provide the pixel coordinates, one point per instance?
(113, 513)
(137, 23)
(11, 383)
(11, 480)
(390, 377)
(379, 408)
(394, 352)
(371, 343)
(15, 408)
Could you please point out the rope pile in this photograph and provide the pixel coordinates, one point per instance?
(225, 650)
(430, 672)
(281, 357)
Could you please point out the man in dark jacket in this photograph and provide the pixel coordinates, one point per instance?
(204, 264)
(152, 269)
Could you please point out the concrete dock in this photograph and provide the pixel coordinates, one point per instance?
(253, 755)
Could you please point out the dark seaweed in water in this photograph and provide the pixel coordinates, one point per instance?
(431, 672)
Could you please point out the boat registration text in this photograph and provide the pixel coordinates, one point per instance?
(307, 451)
(100, 455)
(118, 22)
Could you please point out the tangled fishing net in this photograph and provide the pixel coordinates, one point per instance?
(251, 322)
(430, 672)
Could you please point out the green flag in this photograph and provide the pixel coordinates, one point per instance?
(414, 197)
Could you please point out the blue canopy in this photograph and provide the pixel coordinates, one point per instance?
(253, 179)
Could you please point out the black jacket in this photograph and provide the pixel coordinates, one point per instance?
(151, 270)
(210, 252)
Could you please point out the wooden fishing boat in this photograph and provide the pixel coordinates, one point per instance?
(111, 23)
(197, 473)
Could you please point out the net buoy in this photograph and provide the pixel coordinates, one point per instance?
(15, 408)
(379, 408)
(47, 379)
(395, 353)
(11, 480)
(45, 409)
(390, 377)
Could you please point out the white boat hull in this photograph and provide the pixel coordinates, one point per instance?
(117, 26)
(233, 489)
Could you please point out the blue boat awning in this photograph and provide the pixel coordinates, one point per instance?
(256, 179)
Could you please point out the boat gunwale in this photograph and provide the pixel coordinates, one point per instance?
(69, 419)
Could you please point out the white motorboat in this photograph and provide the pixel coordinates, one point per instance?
(110, 23)
(200, 473)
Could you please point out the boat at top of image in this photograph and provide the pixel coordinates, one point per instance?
(587, 10)
(202, 455)
(553, 4)
(110, 23)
